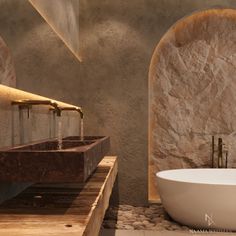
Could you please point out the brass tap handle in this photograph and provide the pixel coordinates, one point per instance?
(225, 150)
(212, 150)
(220, 152)
(226, 159)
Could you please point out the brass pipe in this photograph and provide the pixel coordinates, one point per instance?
(27, 103)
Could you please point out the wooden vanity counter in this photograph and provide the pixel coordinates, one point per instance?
(65, 209)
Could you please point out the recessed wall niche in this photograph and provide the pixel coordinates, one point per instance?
(192, 86)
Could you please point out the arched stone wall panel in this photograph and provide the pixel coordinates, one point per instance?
(192, 81)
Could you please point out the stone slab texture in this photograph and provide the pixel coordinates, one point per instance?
(7, 70)
(192, 90)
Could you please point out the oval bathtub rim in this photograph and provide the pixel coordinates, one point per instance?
(157, 174)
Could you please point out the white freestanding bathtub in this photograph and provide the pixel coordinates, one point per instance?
(200, 198)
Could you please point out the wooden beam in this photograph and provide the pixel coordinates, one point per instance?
(65, 209)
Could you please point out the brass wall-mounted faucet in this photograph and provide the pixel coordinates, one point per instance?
(73, 108)
(78, 109)
(27, 103)
(220, 150)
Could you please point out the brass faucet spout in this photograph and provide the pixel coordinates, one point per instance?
(73, 108)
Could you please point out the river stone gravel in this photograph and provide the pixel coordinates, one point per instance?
(130, 217)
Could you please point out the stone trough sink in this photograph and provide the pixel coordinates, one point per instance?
(43, 162)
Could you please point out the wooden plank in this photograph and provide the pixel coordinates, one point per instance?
(65, 209)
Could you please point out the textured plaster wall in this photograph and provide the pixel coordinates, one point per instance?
(43, 63)
(117, 42)
(117, 39)
(63, 17)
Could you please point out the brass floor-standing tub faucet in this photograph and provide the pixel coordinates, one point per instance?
(220, 152)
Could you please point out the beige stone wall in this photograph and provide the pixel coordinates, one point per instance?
(192, 90)
(7, 70)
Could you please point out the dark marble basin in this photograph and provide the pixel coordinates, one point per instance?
(105, 141)
(43, 162)
(52, 146)
(86, 138)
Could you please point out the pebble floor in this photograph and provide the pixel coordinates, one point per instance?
(129, 217)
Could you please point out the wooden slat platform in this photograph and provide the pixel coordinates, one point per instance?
(65, 209)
